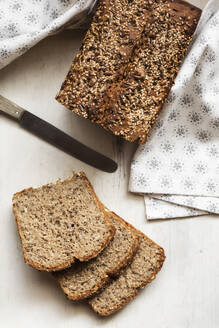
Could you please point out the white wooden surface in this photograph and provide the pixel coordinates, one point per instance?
(185, 293)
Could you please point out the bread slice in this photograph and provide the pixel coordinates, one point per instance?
(83, 279)
(116, 28)
(122, 75)
(61, 222)
(145, 264)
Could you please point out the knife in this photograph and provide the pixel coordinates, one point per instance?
(56, 137)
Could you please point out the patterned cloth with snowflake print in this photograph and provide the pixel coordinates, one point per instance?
(24, 23)
(177, 169)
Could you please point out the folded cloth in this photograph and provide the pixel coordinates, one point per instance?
(177, 170)
(160, 209)
(24, 23)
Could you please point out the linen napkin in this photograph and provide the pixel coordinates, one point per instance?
(24, 23)
(177, 170)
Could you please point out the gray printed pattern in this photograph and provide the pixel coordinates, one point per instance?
(24, 23)
(162, 209)
(179, 164)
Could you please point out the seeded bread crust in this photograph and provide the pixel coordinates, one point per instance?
(71, 273)
(132, 285)
(106, 49)
(134, 102)
(65, 264)
(124, 93)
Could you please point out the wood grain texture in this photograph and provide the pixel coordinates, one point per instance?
(185, 293)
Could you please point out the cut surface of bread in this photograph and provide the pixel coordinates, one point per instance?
(83, 279)
(122, 75)
(143, 268)
(61, 222)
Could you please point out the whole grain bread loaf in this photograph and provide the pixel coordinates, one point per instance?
(84, 279)
(129, 59)
(143, 268)
(61, 222)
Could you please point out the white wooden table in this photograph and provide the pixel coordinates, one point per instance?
(185, 293)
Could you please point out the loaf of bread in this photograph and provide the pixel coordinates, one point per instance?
(84, 279)
(61, 222)
(127, 64)
(143, 268)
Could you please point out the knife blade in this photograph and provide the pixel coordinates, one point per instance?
(56, 137)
